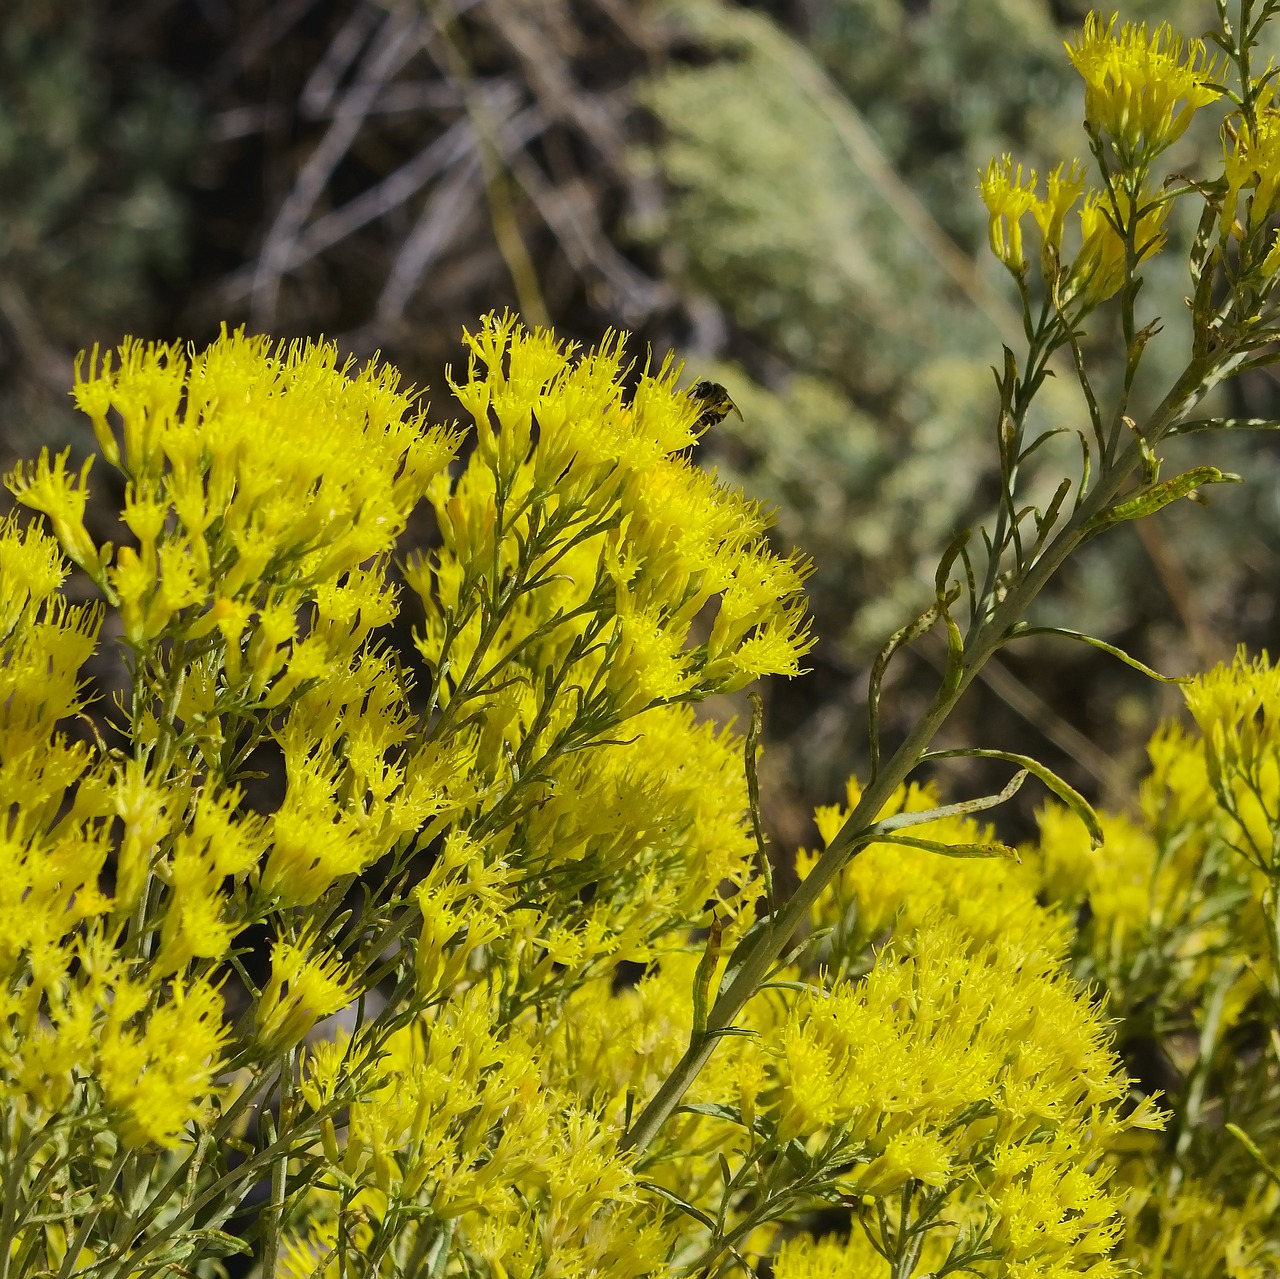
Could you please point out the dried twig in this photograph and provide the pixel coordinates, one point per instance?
(396, 42)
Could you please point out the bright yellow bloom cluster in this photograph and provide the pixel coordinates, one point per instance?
(976, 1070)
(1251, 166)
(1009, 198)
(566, 810)
(585, 507)
(1141, 90)
(953, 1063)
(549, 809)
(248, 465)
(159, 1078)
(1237, 709)
(1098, 268)
(1173, 911)
(461, 1117)
(71, 1011)
(854, 1257)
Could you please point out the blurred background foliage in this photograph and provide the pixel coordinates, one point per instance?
(783, 192)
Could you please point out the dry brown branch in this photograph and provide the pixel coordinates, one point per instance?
(396, 42)
(439, 156)
(441, 221)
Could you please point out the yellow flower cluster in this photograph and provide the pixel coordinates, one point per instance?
(71, 1008)
(589, 577)
(581, 514)
(854, 1257)
(549, 810)
(1237, 709)
(1009, 198)
(461, 1117)
(1251, 166)
(255, 473)
(975, 1070)
(1173, 911)
(1200, 1235)
(950, 1064)
(1147, 882)
(1098, 268)
(1142, 90)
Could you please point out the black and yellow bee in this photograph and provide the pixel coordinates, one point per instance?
(716, 404)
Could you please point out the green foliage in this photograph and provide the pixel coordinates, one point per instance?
(91, 221)
(821, 202)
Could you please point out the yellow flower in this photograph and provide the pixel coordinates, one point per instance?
(1252, 167)
(1143, 91)
(1062, 191)
(146, 810)
(253, 471)
(1008, 199)
(50, 490)
(1237, 709)
(305, 986)
(1099, 269)
(31, 570)
(599, 508)
(159, 1078)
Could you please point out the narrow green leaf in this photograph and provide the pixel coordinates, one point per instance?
(1039, 440)
(902, 821)
(813, 938)
(905, 635)
(1068, 794)
(1103, 646)
(752, 749)
(1046, 521)
(993, 849)
(703, 977)
(1251, 1146)
(714, 1109)
(438, 1255)
(670, 1195)
(1224, 424)
(219, 1243)
(949, 557)
(1159, 496)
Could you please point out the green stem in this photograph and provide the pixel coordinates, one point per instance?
(15, 1161)
(762, 947)
(91, 1215)
(279, 1171)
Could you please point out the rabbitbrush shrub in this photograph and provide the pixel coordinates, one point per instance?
(501, 984)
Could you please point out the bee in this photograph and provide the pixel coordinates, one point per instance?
(716, 404)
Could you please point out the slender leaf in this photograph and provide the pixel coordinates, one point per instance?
(1159, 496)
(1103, 646)
(901, 821)
(992, 849)
(1225, 424)
(1068, 794)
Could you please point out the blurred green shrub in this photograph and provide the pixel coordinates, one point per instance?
(822, 206)
(93, 145)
